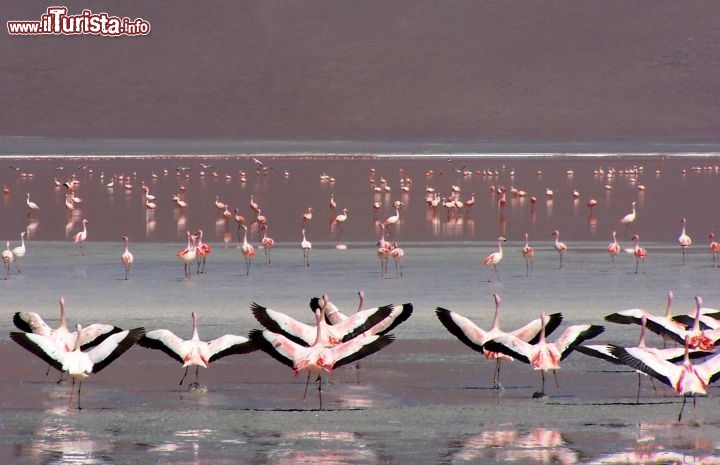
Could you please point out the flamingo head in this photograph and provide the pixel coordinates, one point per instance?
(635, 237)
(502, 239)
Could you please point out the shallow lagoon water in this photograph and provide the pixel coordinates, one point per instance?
(424, 399)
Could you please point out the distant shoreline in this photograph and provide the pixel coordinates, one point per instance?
(41, 147)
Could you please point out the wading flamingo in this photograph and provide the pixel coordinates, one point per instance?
(613, 248)
(32, 206)
(475, 337)
(494, 258)
(714, 247)
(687, 380)
(317, 358)
(397, 254)
(306, 246)
(202, 250)
(266, 242)
(188, 254)
(7, 259)
(19, 252)
(560, 247)
(630, 217)
(544, 355)
(528, 254)
(684, 240)
(81, 237)
(639, 252)
(194, 351)
(247, 250)
(127, 258)
(79, 364)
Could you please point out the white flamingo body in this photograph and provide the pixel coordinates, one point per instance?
(127, 258)
(684, 240)
(306, 246)
(7, 259)
(528, 254)
(194, 351)
(560, 247)
(19, 251)
(630, 217)
(32, 206)
(188, 254)
(81, 236)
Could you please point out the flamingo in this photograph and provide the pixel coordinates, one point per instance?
(7, 259)
(544, 355)
(475, 337)
(630, 217)
(635, 315)
(19, 251)
(188, 254)
(329, 335)
(81, 236)
(560, 247)
(528, 254)
(307, 216)
(32, 206)
(340, 220)
(254, 205)
(699, 336)
(267, 243)
(673, 355)
(687, 380)
(495, 258)
(218, 204)
(202, 250)
(317, 358)
(194, 351)
(684, 240)
(639, 252)
(247, 250)
(714, 247)
(383, 251)
(394, 218)
(397, 254)
(79, 363)
(613, 248)
(306, 246)
(398, 315)
(333, 205)
(469, 203)
(127, 258)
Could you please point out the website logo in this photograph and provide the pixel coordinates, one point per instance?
(57, 22)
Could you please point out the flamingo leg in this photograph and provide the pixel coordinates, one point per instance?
(319, 381)
(307, 381)
(183, 378)
(72, 389)
(682, 408)
(78, 402)
(557, 385)
(496, 375)
(637, 398)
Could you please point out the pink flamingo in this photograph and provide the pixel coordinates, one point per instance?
(397, 254)
(684, 241)
(700, 336)
(528, 254)
(639, 252)
(7, 259)
(19, 252)
(613, 248)
(317, 358)
(126, 258)
(687, 380)
(78, 363)
(247, 250)
(476, 338)
(32, 206)
(267, 243)
(494, 258)
(714, 247)
(202, 250)
(188, 254)
(81, 236)
(656, 324)
(560, 247)
(307, 216)
(333, 315)
(544, 355)
(194, 351)
(383, 251)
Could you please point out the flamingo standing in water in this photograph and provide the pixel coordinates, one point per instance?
(194, 351)
(19, 252)
(317, 358)
(7, 259)
(188, 254)
(306, 246)
(78, 363)
(494, 258)
(687, 380)
(630, 217)
(560, 247)
(475, 337)
(397, 254)
(544, 355)
(684, 241)
(81, 237)
(32, 206)
(528, 254)
(714, 247)
(247, 250)
(202, 250)
(126, 258)
(307, 216)
(613, 248)
(266, 242)
(639, 252)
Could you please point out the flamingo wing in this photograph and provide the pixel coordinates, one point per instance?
(626, 317)
(648, 363)
(279, 347)
(162, 339)
(229, 345)
(355, 349)
(600, 351)
(709, 370)
(42, 346)
(280, 323)
(361, 322)
(462, 328)
(94, 334)
(531, 331)
(113, 346)
(664, 327)
(511, 346)
(575, 335)
(398, 315)
(31, 322)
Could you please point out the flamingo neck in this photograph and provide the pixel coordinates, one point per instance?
(195, 334)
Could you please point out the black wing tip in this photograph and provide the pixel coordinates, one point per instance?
(315, 304)
(21, 324)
